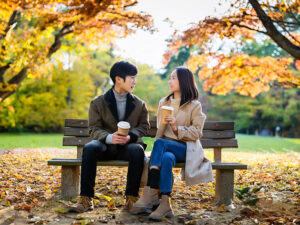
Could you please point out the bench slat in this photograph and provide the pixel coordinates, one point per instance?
(76, 123)
(209, 125)
(215, 125)
(77, 162)
(83, 132)
(218, 134)
(73, 141)
(78, 132)
(206, 143)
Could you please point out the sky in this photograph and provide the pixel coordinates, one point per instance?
(148, 48)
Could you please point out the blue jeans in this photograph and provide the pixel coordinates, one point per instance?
(165, 154)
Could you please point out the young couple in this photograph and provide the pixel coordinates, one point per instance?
(176, 141)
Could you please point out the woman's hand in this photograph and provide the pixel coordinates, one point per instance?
(172, 121)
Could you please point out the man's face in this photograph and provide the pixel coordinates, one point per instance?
(127, 85)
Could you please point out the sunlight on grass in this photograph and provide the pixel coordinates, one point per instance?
(247, 143)
(30, 140)
(252, 143)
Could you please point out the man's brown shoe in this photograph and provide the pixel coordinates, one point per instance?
(83, 204)
(130, 200)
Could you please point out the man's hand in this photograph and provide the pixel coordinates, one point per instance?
(120, 139)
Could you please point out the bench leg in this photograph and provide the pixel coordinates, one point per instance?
(70, 182)
(224, 186)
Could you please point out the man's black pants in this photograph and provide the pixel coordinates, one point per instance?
(97, 151)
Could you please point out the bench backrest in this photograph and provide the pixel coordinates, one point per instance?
(216, 135)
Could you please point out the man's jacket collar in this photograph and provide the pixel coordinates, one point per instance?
(109, 97)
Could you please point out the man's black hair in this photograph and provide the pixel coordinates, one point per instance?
(122, 69)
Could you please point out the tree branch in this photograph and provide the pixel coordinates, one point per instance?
(67, 28)
(292, 14)
(276, 8)
(249, 28)
(291, 36)
(131, 4)
(19, 77)
(126, 16)
(2, 71)
(15, 80)
(12, 20)
(285, 22)
(273, 33)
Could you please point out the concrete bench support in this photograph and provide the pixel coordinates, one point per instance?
(70, 182)
(224, 186)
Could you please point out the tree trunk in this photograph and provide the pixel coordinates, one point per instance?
(273, 33)
(22, 74)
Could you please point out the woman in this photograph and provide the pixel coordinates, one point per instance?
(178, 141)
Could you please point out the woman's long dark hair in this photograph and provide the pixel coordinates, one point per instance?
(187, 85)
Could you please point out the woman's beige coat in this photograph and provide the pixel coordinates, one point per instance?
(190, 120)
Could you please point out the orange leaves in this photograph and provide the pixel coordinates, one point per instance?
(297, 64)
(111, 205)
(41, 26)
(195, 206)
(248, 75)
(197, 61)
(25, 181)
(22, 206)
(278, 200)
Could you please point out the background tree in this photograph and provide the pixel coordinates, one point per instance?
(31, 31)
(43, 104)
(176, 60)
(224, 71)
(86, 59)
(150, 88)
(78, 73)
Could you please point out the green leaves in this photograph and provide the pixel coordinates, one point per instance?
(241, 192)
(247, 194)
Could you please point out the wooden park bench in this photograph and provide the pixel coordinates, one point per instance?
(216, 135)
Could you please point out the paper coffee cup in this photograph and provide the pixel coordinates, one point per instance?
(165, 110)
(123, 127)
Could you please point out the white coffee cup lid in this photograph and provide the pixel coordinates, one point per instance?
(123, 125)
(167, 108)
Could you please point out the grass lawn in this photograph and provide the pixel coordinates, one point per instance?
(247, 143)
(30, 140)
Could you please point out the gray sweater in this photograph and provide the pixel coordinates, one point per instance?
(121, 106)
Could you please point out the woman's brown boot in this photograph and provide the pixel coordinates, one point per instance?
(148, 199)
(163, 210)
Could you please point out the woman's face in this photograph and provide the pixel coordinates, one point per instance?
(173, 82)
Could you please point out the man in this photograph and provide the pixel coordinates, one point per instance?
(117, 104)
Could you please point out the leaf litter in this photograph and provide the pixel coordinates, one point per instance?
(266, 193)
